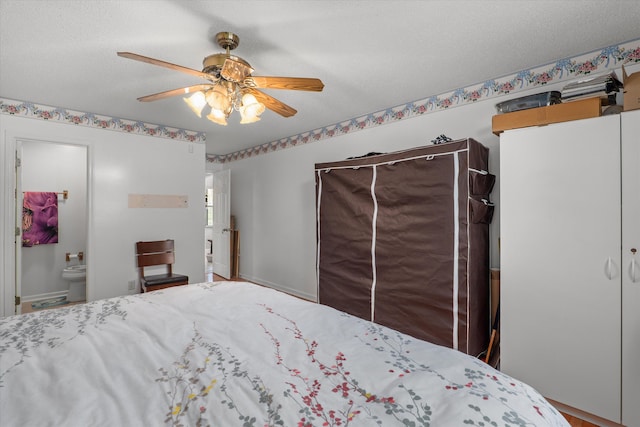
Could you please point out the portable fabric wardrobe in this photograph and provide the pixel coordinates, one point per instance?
(403, 240)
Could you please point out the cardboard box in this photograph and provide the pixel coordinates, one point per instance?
(631, 90)
(574, 110)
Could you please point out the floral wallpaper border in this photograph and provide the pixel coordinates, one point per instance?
(56, 114)
(564, 69)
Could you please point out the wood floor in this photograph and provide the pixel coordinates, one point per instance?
(577, 422)
(212, 277)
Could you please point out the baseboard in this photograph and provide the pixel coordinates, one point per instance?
(279, 287)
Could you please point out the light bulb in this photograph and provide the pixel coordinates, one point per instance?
(218, 117)
(218, 98)
(251, 109)
(196, 102)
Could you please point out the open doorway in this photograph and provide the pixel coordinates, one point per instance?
(51, 177)
(208, 224)
(221, 237)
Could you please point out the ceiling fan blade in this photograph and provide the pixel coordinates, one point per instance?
(174, 92)
(164, 64)
(291, 83)
(273, 104)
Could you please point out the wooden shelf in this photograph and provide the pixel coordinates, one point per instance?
(574, 110)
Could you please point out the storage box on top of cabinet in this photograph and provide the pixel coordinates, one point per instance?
(403, 240)
(574, 110)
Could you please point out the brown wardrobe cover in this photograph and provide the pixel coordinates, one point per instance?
(403, 240)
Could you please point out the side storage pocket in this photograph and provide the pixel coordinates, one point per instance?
(481, 183)
(481, 211)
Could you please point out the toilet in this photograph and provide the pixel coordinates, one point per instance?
(76, 275)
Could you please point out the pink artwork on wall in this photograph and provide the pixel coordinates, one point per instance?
(39, 218)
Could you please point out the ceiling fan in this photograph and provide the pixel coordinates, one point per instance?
(231, 85)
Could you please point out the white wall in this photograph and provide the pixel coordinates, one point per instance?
(55, 167)
(273, 195)
(119, 164)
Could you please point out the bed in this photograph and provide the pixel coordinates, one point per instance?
(239, 354)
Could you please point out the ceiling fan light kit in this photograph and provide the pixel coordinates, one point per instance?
(251, 109)
(196, 102)
(231, 85)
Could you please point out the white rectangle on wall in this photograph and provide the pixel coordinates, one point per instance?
(158, 201)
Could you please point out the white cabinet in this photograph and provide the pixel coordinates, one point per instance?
(570, 215)
(631, 264)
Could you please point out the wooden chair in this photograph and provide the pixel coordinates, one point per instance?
(158, 253)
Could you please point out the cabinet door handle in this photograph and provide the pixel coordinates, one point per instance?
(632, 271)
(608, 269)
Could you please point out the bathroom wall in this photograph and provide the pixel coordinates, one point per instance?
(55, 167)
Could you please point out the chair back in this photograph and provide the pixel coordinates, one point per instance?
(155, 253)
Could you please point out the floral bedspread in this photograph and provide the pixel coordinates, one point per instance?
(237, 354)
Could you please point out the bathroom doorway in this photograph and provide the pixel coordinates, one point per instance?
(53, 175)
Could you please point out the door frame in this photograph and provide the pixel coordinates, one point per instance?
(11, 232)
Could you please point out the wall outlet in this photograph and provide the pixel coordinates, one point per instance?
(132, 285)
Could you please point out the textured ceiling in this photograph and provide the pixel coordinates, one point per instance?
(371, 55)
